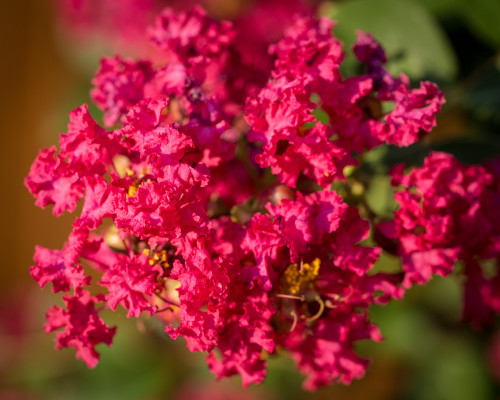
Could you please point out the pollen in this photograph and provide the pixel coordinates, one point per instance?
(129, 172)
(132, 190)
(160, 258)
(298, 279)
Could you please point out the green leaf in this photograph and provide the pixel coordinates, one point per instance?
(471, 149)
(380, 197)
(482, 96)
(414, 41)
(381, 159)
(483, 18)
(441, 8)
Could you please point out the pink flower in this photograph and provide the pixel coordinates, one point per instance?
(204, 283)
(211, 202)
(86, 150)
(119, 84)
(264, 240)
(51, 183)
(189, 34)
(247, 334)
(82, 327)
(448, 212)
(309, 50)
(130, 283)
(325, 354)
(283, 116)
(51, 266)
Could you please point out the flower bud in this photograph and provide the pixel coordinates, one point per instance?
(281, 192)
(113, 240)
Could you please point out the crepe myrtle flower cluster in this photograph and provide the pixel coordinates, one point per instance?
(119, 24)
(208, 202)
(449, 212)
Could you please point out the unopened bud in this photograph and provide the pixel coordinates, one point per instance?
(122, 164)
(281, 192)
(113, 240)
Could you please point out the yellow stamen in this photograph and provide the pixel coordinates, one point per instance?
(303, 278)
(132, 189)
(129, 172)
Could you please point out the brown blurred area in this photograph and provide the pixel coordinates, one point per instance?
(34, 79)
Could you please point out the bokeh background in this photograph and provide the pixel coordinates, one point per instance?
(428, 352)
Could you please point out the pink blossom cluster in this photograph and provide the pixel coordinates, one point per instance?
(182, 218)
(449, 212)
(120, 24)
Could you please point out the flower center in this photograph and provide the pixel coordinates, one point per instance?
(138, 180)
(298, 279)
(160, 257)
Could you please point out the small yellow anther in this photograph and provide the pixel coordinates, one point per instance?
(298, 280)
(129, 172)
(132, 190)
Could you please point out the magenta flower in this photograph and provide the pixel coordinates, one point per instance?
(307, 66)
(449, 212)
(82, 327)
(217, 183)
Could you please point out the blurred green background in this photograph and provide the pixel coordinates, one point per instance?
(427, 353)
